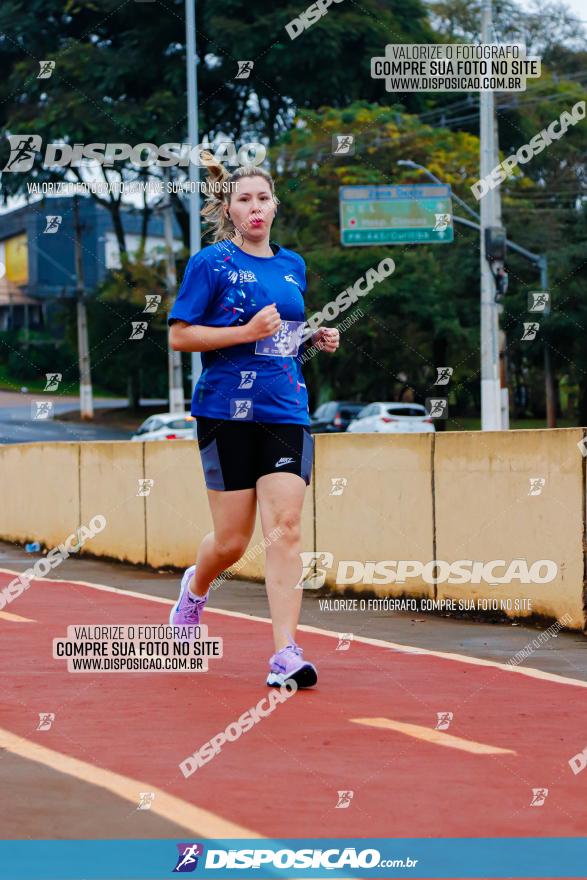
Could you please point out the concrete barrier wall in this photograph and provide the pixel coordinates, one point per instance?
(178, 515)
(109, 478)
(450, 496)
(384, 510)
(514, 495)
(40, 491)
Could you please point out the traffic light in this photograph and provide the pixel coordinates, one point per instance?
(495, 243)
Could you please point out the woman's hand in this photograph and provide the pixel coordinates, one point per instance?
(265, 323)
(326, 339)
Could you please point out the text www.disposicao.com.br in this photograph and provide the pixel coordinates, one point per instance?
(109, 664)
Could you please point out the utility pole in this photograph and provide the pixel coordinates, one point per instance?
(176, 404)
(504, 397)
(548, 377)
(537, 260)
(194, 176)
(490, 387)
(85, 377)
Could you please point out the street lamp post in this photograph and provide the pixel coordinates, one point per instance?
(174, 370)
(86, 397)
(193, 195)
(490, 386)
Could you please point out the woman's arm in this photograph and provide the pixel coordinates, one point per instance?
(198, 337)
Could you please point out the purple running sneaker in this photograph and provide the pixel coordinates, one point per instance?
(188, 608)
(290, 663)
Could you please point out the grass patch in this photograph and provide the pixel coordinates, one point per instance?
(35, 386)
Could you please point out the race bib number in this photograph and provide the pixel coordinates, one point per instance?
(284, 343)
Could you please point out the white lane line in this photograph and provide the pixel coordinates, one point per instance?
(436, 737)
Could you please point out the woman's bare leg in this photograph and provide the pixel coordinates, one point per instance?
(280, 498)
(233, 517)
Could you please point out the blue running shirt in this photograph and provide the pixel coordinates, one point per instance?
(258, 381)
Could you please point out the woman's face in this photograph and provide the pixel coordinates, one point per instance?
(252, 208)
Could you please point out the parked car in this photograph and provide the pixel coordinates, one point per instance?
(392, 418)
(334, 416)
(167, 426)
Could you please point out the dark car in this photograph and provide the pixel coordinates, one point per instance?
(335, 416)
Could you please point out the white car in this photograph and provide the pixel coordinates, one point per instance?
(167, 426)
(392, 418)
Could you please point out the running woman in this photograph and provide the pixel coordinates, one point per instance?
(241, 303)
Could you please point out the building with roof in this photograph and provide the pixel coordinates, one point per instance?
(37, 254)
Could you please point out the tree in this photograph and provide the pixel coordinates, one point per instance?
(120, 77)
(426, 314)
(134, 366)
(544, 26)
(428, 309)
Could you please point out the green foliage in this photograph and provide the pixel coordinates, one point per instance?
(427, 313)
(428, 309)
(137, 367)
(34, 361)
(120, 77)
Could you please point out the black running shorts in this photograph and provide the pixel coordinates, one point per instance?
(235, 454)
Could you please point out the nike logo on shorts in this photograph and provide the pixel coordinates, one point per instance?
(283, 461)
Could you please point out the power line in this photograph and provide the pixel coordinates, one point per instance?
(513, 103)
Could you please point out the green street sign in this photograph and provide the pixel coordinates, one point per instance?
(407, 214)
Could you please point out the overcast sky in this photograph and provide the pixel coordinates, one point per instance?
(579, 7)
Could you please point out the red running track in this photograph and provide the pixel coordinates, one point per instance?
(281, 778)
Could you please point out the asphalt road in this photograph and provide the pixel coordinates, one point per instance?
(18, 425)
